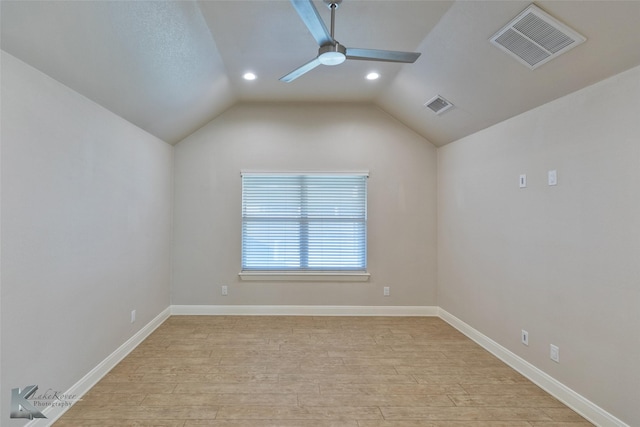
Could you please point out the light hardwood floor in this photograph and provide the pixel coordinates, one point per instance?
(231, 371)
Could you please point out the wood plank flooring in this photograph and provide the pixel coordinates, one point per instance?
(233, 371)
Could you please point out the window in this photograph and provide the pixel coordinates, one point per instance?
(304, 223)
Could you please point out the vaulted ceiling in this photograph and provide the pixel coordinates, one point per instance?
(171, 66)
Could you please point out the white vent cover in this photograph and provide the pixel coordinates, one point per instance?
(438, 104)
(534, 37)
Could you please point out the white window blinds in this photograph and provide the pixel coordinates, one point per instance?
(296, 222)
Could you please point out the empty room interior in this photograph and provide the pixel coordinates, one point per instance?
(353, 213)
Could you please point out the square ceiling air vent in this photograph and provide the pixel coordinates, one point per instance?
(534, 37)
(438, 104)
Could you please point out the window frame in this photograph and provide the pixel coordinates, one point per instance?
(306, 273)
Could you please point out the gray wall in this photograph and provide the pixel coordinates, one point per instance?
(332, 137)
(86, 228)
(561, 262)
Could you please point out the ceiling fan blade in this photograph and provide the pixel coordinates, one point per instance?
(382, 55)
(300, 70)
(311, 18)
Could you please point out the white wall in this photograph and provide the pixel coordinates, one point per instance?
(561, 262)
(331, 137)
(86, 228)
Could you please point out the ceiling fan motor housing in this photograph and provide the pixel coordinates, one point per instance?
(332, 54)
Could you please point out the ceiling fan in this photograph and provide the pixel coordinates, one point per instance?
(331, 52)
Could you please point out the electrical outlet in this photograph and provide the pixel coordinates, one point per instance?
(525, 337)
(133, 316)
(225, 291)
(554, 353)
(552, 177)
(386, 291)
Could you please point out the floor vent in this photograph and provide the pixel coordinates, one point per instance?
(438, 104)
(534, 37)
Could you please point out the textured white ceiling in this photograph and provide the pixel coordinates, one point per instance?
(171, 66)
(153, 63)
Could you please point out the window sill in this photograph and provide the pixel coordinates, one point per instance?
(315, 276)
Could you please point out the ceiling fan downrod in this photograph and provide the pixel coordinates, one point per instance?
(333, 5)
(334, 53)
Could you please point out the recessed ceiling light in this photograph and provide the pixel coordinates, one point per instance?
(373, 76)
(249, 76)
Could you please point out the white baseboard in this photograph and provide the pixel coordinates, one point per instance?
(303, 310)
(573, 400)
(96, 374)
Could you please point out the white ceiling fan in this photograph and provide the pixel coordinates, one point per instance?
(331, 52)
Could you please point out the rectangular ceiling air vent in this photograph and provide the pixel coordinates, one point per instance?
(438, 104)
(534, 37)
